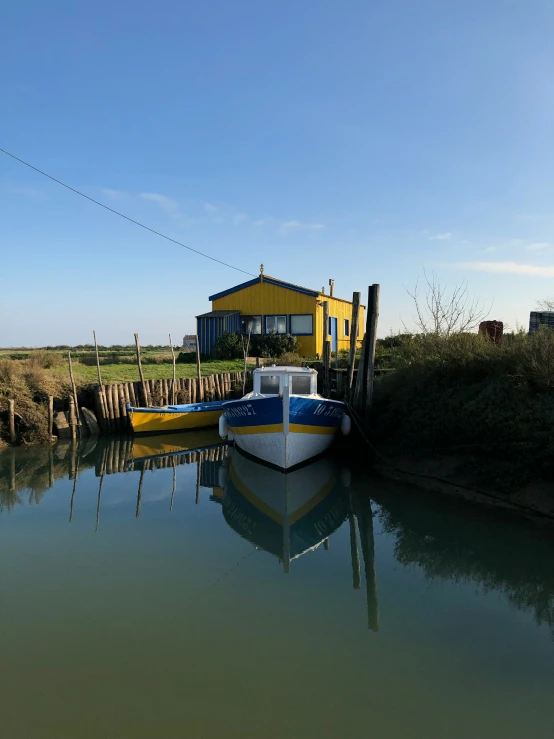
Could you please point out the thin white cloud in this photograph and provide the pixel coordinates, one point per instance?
(170, 206)
(114, 194)
(29, 192)
(239, 218)
(441, 237)
(513, 268)
(210, 208)
(260, 222)
(538, 246)
(299, 226)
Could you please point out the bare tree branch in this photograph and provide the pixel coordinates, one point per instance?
(441, 312)
(547, 304)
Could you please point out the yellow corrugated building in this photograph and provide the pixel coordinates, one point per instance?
(265, 305)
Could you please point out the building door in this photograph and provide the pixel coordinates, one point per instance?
(334, 332)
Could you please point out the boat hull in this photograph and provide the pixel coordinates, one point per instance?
(264, 428)
(159, 420)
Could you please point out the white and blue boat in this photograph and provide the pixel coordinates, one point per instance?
(283, 421)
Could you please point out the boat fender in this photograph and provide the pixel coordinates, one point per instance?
(223, 430)
(345, 425)
(345, 477)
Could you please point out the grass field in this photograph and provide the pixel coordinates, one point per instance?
(129, 372)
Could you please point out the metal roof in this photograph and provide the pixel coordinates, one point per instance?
(218, 313)
(278, 283)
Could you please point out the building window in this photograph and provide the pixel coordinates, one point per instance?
(251, 325)
(276, 324)
(346, 327)
(302, 325)
(269, 384)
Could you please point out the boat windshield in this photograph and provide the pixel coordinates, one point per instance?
(301, 385)
(269, 384)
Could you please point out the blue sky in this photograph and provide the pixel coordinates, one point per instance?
(363, 141)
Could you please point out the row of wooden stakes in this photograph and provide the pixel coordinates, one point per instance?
(111, 400)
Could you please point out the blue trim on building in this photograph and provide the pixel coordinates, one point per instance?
(270, 281)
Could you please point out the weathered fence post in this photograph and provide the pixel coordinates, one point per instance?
(356, 298)
(97, 359)
(199, 372)
(174, 371)
(11, 420)
(326, 354)
(141, 374)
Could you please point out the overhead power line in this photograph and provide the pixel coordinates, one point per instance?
(122, 215)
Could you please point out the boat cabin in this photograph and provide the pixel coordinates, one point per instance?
(271, 380)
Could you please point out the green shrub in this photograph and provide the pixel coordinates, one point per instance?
(45, 359)
(186, 358)
(290, 359)
(229, 346)
(273, 345)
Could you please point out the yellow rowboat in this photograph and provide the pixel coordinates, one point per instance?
(174, 417)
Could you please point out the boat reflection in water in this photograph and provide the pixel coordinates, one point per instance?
(285, 514)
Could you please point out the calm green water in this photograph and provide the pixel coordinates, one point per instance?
(218, 599)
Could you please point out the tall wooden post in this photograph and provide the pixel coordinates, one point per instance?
(97, 359)
(174, 372)
(371, 336)
(11, 420)
(199, 373)
(141, 374)
(356, 298)
(326, 346)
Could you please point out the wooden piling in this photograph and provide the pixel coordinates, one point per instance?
(354, 322)
(141, 374)
(199, 372)
(11, 420)
(371, 334)
(326, 353)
